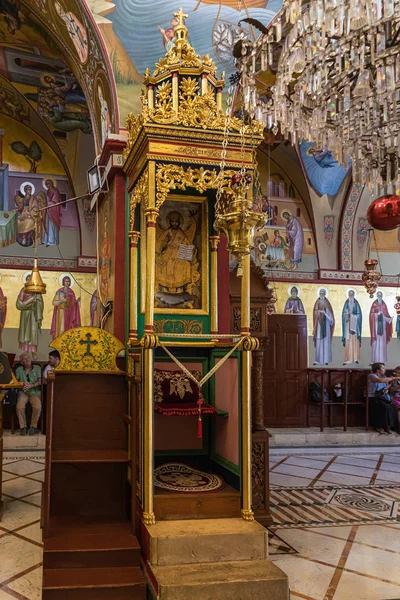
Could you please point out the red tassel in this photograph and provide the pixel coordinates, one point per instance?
(199, 421)
(200, 428)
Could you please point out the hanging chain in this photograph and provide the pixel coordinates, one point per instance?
(224, 151)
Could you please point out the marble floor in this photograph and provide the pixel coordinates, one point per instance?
(336, 532)
(355, 556)
(20, 534)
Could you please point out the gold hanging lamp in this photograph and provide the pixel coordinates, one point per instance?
(35, 285)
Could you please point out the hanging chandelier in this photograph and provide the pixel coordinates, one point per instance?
(334, 79)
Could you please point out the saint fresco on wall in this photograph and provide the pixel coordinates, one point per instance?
(351, 328)
(381, 328)
(323, 328)
(294, 305)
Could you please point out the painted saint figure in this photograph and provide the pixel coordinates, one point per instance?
(51, 235)
(276, 249)
(94, 310)
(323, 328)
(295, 239)
(66, 313)
(105, 261)
(27, 205)
(31, 306)
(381, 329)
(294, 305)
(76, 31)
(104, 115)
(176, 259)
(351, 329)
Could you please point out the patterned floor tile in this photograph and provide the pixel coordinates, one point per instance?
(16, 488)
(29, 585)
(365, 588)
(32, 532)
(17, 514)
(16, 556)
(21, 467)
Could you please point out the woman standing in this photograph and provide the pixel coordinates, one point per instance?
(382, 412)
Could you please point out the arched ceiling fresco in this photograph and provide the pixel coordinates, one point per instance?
(137, 34)
(52, 54)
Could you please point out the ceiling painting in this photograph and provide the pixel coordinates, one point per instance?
(136, 37)
(54, 48)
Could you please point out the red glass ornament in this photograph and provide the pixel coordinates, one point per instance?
(384, 213)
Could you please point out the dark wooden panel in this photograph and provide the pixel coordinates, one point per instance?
(82, 489)
(214, 505)
(285, 365)
(87, 412)
(271, 386)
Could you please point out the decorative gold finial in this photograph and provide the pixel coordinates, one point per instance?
(180, 30)
(180, 15)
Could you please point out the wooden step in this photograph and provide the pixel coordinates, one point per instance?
(85, 456)
(120, 583)
(90, 546)
(221, 504)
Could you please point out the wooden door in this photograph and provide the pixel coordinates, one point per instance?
(285, 365)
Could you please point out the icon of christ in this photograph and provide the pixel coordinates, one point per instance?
(177, 264)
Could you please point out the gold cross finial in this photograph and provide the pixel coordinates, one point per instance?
(181, 15)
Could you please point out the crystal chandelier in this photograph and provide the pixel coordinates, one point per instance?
(334, 69)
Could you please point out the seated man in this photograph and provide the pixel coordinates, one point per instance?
(30, 376)
(54, 361)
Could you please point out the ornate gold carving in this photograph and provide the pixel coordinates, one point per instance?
(178, 326)
(185, 56)
(255, 319)
(164, 111)
(149, 518)
(133, 124)
(247, 515)
(140, 192)
(214, 241)
(170, 177)
(149, 341)
(250, 344)
(195, 151)
(87, 349)
(180, 100)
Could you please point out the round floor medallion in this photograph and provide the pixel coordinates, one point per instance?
(177, 477)
(362, 502)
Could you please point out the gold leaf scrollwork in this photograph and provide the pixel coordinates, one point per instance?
(185, 56)
(164, 110)
(171, 177)
(140, 192)
(133, 124)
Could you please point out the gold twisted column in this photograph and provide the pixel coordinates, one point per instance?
(214, 241)
(133, 300)
(247, 512)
